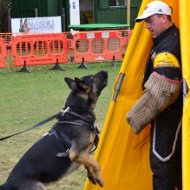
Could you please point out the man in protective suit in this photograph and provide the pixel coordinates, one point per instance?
(161, 102)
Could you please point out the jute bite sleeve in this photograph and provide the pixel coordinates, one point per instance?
(160, 92)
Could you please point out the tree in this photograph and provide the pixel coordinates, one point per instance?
(5, 6)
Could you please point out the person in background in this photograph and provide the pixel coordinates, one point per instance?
(162, 102)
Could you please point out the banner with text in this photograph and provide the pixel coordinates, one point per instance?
(36, 25)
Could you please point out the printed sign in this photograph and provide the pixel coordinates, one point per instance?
(36, 25)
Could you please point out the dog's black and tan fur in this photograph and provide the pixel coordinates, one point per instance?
(69, 143)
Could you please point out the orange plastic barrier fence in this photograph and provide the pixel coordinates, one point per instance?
(39, 49)
(95, 46)
(126, 35)
(6, 36)
(2, 52)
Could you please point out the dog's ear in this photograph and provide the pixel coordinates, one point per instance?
(82, 85)
(70, 82)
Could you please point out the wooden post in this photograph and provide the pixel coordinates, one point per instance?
(128, 13)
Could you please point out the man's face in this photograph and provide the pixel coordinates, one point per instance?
(154, 24)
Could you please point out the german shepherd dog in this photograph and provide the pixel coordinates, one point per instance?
(68, 144)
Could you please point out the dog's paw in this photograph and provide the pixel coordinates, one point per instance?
(96, 181)
(94, 177)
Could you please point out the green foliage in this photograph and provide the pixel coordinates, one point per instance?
(26, 98)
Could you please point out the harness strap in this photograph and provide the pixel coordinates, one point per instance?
(63, 154)
(77, 115)
(64, 143)
(91, 127)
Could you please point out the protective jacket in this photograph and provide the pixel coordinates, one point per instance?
(166, 127)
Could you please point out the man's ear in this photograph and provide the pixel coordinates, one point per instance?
(81, 85)
(70, 82)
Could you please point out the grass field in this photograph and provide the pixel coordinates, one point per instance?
(27, 98)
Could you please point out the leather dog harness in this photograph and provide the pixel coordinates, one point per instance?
(81, 121)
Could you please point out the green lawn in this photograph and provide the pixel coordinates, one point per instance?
(26, 98)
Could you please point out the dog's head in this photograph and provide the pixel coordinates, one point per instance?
(86, 90)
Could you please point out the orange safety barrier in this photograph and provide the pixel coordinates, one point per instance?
(39, 49)
(95, 46)
(7, 39)
(6, 36)
(126, 35)
(2, 52)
